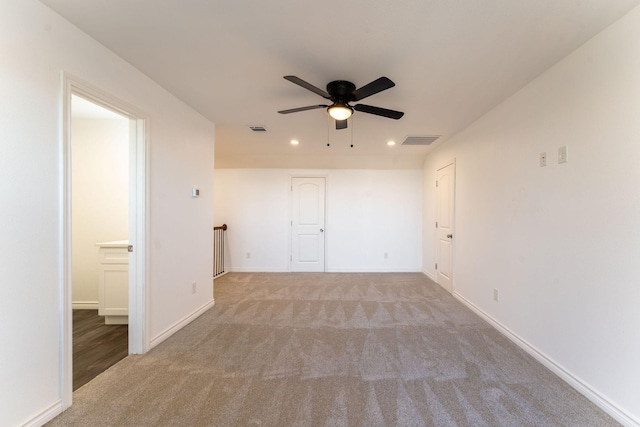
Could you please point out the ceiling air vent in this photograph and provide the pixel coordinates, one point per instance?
(258, 128)
(420, 140)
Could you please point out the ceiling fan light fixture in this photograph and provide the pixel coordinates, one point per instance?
(341, 93)
(340, 111)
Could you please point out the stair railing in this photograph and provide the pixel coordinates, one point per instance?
(218, 250)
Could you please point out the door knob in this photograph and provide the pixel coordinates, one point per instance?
(322, 230)
(449, 236)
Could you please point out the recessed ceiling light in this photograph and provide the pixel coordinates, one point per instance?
(294, 142)
(391, 143)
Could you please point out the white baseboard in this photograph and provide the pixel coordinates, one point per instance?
(84, 305)
(181, 324)
(429, 275)
(373, 270)
(619, 414)
(45, 416)
(329, 270)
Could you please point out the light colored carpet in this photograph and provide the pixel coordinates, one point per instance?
(285, 349)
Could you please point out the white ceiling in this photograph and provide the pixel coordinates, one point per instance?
(451, 60)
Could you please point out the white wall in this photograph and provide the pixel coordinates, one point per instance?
(369, 212)
(35, 46)
(561, 243)
(100, 202)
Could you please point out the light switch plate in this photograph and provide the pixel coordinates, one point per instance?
(543, 159)
(563, 154)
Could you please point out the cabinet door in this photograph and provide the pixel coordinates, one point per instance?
(113, 286)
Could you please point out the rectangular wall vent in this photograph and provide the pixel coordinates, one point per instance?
(258, 128)
(420, 140)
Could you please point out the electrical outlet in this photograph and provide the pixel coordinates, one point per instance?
(543, 159)
(563, 154)
(495, 295)
(248, 255)
(194, 287)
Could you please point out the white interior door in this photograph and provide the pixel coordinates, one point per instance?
(307, 224)
(445, 184)
(138, 196)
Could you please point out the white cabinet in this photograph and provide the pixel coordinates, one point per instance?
(113, 282)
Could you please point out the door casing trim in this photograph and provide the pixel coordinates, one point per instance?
(139, 191)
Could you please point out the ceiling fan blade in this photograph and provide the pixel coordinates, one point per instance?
(308, 86)
(392, 114)
(383, 83)
(295, 110)
(341, 124)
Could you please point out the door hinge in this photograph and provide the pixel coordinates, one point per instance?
(436, 183)
(436, 224)
(292, 223)
(436, 265)
(292, 188)
(130, 248)
(290, 257)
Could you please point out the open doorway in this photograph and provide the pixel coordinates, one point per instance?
(115, 255)
(99, 218)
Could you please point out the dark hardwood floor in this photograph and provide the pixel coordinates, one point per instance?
(96, 346)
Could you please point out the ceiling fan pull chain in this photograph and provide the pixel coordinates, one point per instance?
(352, 126)
(329, 131)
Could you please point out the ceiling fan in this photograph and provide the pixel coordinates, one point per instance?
(341, 93)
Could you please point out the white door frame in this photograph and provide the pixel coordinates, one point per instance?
(138, 225)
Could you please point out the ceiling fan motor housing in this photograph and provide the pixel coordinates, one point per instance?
(341, 90)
